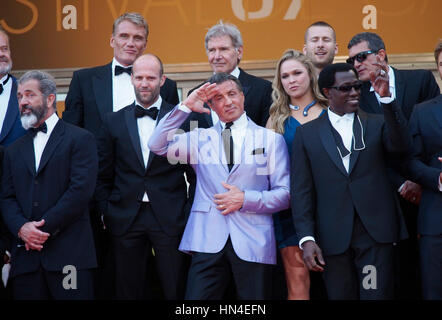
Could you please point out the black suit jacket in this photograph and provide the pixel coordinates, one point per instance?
(12, 128)
(123, 179)
(257, 102)
(90, 97)
(412, 87)
(324, 197)
(58, 192)
(425, 168)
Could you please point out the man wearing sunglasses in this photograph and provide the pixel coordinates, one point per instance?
(409, 87)
(344, 210)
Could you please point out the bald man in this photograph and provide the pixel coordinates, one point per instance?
(142, 197)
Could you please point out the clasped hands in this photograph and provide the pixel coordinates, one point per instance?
(229, 201)
(32, 236)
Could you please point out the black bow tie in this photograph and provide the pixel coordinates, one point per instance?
(43, 128)
(4, 82)
(119, 70)
(141, 112)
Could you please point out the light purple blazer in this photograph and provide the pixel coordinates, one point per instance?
(263, 175)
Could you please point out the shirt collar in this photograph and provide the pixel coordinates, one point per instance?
(4, 78)
(335, 118)
(51, 123)
(239, 123)
(235, 72)
(391, 80)
(156, 104)
(116, 63)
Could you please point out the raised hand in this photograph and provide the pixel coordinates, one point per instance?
(203, 94)
(379, 78)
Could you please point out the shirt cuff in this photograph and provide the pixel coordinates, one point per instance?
(400, 188)
(440, 186)
(183, 107)
(305, 239)
(386, 100)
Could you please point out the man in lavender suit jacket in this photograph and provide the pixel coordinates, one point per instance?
(242, 178)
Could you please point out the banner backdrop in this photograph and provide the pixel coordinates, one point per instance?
(75, 33)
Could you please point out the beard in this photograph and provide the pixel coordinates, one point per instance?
(5, 69)
(147, 99)
(37, 113)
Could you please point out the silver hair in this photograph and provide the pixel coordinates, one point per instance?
(134, 17)
(46, 83)
(224, 29)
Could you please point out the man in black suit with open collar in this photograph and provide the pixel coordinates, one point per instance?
(142, 196)
(409, 87)
(48, 179)
(344, 210)
(224, 48)
(426, 168)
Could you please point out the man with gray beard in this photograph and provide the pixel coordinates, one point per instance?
(48, 179)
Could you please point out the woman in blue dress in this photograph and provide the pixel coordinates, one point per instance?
(296, 100)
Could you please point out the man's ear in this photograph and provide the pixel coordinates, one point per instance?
(325, 92)
(50, 100)
(382, 54)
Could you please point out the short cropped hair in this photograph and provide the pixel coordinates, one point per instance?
(224, 29)
(327, 76)
(319, 24)
(46, 83)
(134, 17)
(374, 41)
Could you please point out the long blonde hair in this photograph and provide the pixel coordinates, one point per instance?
(279, 110)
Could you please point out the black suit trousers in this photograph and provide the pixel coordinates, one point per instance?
(211, 273)
(431, 266)
(351, 276)
(132, 252)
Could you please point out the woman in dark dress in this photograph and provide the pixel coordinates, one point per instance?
(296, 100)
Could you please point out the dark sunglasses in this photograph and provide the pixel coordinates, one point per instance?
(361, 56)
(347, 88)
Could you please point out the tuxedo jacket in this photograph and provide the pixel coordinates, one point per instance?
(412, 87)
(58, 192)
(90, 97)
(424, 167)
(263, 174)
(257, 102)
(123, 179)
(12, 128)
(324, 197)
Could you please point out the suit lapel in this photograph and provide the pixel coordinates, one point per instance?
(329, 143)
(369, 102)
(437, 110)
(244, 82)
(102, 88)
(28, 152)
(164, 109)
(132, 127)
(11, 112)
(54, 139)
(400, 88)
(355, 153)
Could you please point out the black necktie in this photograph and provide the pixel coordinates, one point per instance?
(43, 128)
(141, 112)
(4, 82)
(119, 70)
(228, 144)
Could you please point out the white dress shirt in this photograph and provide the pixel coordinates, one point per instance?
(146, 125)
(214, 116)
(238, 130)
(41, 138)
(123, 93)
(4, 99)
